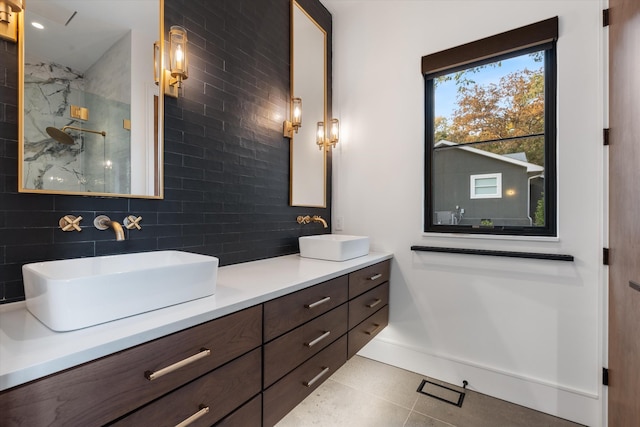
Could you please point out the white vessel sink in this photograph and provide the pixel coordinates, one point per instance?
(76, 293)
(333, 247)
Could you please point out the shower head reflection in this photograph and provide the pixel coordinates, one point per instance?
(64, 138)
(60, 136)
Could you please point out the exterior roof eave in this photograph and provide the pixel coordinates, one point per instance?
(529, 166)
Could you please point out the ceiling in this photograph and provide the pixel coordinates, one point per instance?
(78, 32)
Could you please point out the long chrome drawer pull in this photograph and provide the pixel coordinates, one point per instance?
(316, 378)
(203, 411)
(317, 340)
(317, 303)
(375, 276)
(373, 304)
(377, 326)
(204, 352)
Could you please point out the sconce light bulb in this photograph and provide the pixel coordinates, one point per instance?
(320, 135)
(179, 57)
(157, 65)
(296, 113)
(334, 132)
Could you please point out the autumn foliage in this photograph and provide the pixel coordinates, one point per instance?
(513, 107)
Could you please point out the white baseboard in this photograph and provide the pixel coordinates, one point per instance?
(576, 405)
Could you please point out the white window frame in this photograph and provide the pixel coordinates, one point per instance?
(473, 187)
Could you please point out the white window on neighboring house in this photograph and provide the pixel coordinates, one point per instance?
(486, 186)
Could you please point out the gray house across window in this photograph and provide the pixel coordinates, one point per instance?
(477, 187)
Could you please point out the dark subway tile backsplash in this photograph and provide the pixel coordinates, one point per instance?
(226, 163)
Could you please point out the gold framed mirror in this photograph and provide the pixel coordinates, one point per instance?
(309, 83)
(90, 109)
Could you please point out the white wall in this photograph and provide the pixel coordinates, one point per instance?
(527, 331)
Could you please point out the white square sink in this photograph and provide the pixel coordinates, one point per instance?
(333, 247)
(77, 293)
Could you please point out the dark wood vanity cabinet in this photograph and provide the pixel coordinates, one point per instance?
(285, 353)
(285, 313)
(246, 369)
(289, 391)
(368, 278)
(365, 331)
(248, 415)
(311, 333)
(368, 315)
(109, 388)
(367, 304)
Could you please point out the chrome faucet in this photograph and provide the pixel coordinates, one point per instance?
(103, 222)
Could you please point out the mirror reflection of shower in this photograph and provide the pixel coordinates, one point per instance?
(64, 138)
(77, 159)
(76, 132)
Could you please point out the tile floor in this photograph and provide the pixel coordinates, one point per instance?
(366, 393)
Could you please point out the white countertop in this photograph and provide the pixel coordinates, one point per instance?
(29, 350)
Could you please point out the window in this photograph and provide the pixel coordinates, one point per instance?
(490, 157)
(486, 186)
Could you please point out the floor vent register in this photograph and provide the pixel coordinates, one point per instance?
(443, 393)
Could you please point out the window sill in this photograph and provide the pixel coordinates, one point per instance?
(492, 237)
(485, 252)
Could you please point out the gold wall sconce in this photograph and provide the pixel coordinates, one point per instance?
(178, 69)
(178, 55)
(9, 10)
(334, 134)
(289, 126)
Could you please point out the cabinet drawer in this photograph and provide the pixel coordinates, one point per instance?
(212, 396)
(249, 415)
(369, 277)
(290, 350)
(365, 331)
(287, 312)
(368, 303)
(284, 395)
(103, 390)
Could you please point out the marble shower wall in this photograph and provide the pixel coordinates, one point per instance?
(93, 163)
(108, 80)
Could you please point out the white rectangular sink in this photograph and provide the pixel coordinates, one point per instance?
(77, 293)
(333, 247)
